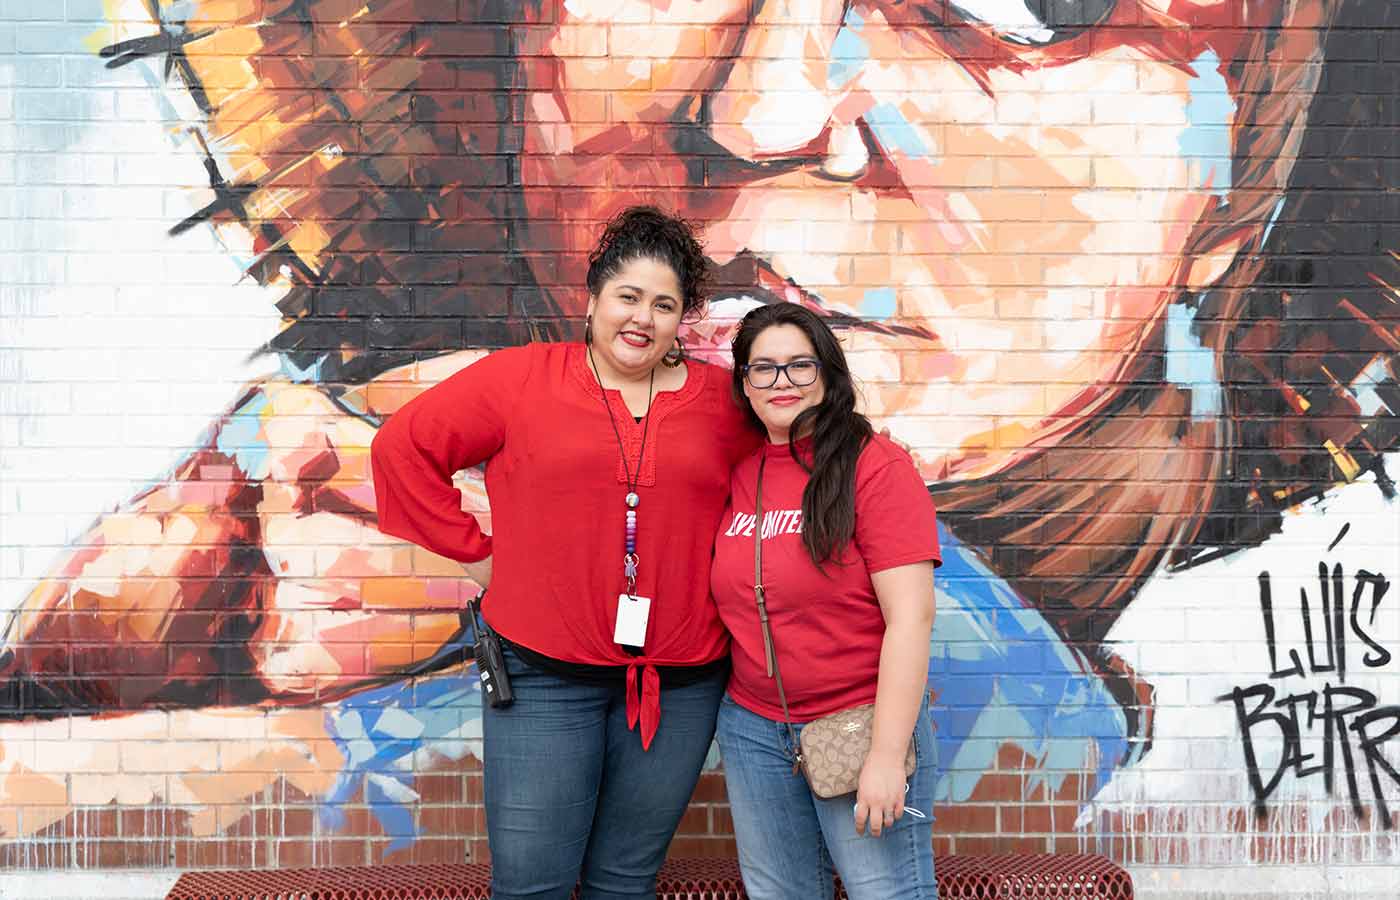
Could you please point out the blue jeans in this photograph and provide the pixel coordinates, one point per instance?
(570, 794)
(789, 839)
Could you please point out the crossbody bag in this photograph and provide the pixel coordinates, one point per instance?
(832, 749)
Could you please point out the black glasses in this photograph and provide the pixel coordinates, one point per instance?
(801, 372)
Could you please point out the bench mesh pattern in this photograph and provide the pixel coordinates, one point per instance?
(1003, 877)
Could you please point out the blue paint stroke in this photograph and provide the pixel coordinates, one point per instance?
(1273, 217)
(893, 131)
(849, 52)
(1190, 365)
(242, 438)
(298, 375)
(1364, 388)
(878, 303)
(1206, 141)
(1004, 676)
(384, 731)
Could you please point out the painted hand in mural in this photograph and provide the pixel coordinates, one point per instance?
(255, 572)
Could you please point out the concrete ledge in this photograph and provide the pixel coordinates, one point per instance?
(1285, 882)
(109, 884)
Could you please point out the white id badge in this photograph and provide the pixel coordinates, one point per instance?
(632, 613)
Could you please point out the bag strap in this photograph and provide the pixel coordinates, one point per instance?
(760, 597)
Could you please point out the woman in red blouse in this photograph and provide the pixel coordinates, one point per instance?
(607, 465)
(849, 545)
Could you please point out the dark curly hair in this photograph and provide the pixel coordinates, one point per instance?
(645, 232)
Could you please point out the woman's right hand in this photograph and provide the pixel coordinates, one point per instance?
(880, 795)
(479, 571)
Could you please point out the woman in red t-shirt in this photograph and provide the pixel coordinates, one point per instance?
(607, 464)
(849, 546)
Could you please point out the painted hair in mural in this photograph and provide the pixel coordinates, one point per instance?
(1116, 272)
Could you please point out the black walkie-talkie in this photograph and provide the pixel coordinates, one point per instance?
(490, 661)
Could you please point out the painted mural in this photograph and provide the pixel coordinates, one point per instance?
(1120, 273)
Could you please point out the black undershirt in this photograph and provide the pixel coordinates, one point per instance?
(615, 676)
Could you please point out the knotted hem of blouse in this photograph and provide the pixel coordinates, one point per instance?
(644, 706)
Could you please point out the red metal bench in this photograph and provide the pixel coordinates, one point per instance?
(1061, 876)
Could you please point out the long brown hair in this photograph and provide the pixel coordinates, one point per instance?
(839, 433)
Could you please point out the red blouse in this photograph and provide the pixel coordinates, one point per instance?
(556, 482)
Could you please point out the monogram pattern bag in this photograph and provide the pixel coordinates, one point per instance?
(832, 749)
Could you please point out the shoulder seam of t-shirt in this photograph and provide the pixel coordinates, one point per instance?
(878, 465)
(890, 449)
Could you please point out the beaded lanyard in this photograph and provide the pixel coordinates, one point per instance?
(629, 559)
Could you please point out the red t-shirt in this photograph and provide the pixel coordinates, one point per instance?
(827, 625)
(557, 484)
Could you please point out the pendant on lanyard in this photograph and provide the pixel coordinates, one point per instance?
(632, 611)
(629, 559)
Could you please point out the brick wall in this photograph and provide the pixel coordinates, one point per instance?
(1120, 274)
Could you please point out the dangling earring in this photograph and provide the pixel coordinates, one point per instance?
(675, 356)
(588, 330)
